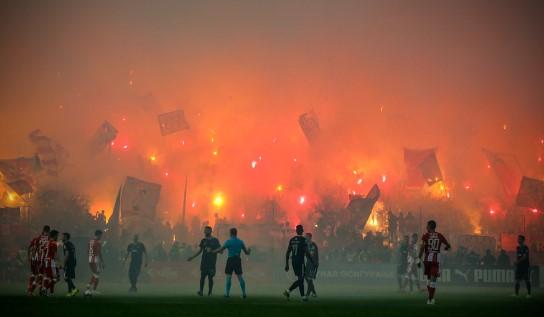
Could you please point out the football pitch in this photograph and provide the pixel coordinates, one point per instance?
(343, 301)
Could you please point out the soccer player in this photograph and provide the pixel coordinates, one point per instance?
(431, 243)
(522, 266)
(49, 268)
(96, 262)
(235, 247)
(311, 267)
(412, 272)
(137, 252)
(297, 250)
(69, 264)
(35, 256)
(402, 263)
(207, 264)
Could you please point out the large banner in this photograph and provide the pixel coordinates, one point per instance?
(330, 274)
(475, 276)
(139, 198)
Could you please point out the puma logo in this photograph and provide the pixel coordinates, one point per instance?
(461, 273)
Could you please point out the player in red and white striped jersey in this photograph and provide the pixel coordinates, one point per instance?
(431, 244)
(96, 262)
(35, 254)
(49, 268)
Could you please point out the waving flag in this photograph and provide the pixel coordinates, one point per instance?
(103, 137)
(507, 171)
(421, 167)
(310, 126)
(360, 207)
(172, 122)
(531, 193)
(50, 153)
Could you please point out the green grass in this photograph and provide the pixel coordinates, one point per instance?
(333, 301)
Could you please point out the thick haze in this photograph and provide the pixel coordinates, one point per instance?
(380, 75)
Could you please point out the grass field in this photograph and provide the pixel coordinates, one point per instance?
(360, 301)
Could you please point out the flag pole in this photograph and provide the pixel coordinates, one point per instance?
(184, 203)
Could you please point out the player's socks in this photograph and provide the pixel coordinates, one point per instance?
(528, 285)
(228, 284)
(31, 283)
(286, 294)
(210, 285)
(202, 279)
(242, 285)
(517, 288)
(432, 289)
(52, 287)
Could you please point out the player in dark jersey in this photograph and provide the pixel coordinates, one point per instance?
(522, 266)
(311, 266)
(431, 243)
(298, 251)
(207, 264)
(137, 252)
(69, 264)
(35, 250)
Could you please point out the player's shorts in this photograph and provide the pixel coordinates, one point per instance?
(207, 270)
(234, 264)
(522, 273)
(298, 269)
(311, 271)
(34, 267)
(432, 269)
(49, 270)
(95, 269)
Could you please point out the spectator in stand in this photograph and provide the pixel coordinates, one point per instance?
(472, 258)
(159, 253)
(460, 256)
(503, 261)
(175, 253)
(488, 260)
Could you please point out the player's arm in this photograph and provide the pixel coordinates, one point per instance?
(126, 255)
(446, 243)
(145, 255)
(246, 250)
(100, 257)
(57, 259)
(194, 255)
(221, 249)
(29, 251)
(65, 262)
(421, 250)
(289, 249)
(316, 256)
